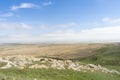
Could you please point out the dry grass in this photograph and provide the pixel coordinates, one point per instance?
(65, 51)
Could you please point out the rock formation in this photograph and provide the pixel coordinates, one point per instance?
(22, 62)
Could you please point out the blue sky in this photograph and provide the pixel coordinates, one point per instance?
(59, 21)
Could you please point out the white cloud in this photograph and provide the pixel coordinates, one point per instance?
(25, 26)
(71, 24)
(14, 38)
(65, 25)
(24, 5)
(95, 34)
(14, 26)
(9, 14)
(30, 5)
(110, 20)
(44, 26)
(106, 19)
(18, 36)
(47, 3)
(106, 34)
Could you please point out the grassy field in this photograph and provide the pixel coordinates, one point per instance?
(105, 55)
(53, 74)
(108, 56)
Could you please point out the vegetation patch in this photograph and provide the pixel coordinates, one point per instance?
(2, 64)
(109, 55)
(54, 74)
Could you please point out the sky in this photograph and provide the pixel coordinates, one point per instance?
(65, 21)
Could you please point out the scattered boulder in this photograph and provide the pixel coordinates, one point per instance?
(38, 66)
(21, 62)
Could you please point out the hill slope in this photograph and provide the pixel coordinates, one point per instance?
(107, 56)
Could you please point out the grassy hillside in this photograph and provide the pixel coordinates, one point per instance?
(109, 55)
(53, 74)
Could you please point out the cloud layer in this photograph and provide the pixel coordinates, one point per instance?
(29, 5)
(14, 26)
(9, 14)
(105, 34)
(47, 3)
(111, 21)
(23, 6)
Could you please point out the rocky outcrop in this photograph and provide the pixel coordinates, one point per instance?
(35, 66)
(22, 62)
